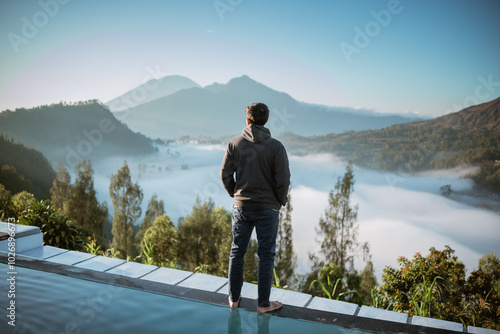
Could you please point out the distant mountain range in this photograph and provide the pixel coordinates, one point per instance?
(68, 133)
(218, 110)
(149, 91)
(467, 137)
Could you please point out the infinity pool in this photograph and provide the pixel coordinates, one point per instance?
(54, 303)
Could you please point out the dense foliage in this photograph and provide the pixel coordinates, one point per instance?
(435, 286)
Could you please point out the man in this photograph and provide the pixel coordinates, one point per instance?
(259, 190)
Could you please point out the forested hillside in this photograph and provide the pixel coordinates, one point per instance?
(468, 137)
(70, 132)
(23, 168)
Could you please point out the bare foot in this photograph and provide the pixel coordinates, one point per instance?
(234, 304)
(275, 305)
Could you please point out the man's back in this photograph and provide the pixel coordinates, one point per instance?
(261, 166)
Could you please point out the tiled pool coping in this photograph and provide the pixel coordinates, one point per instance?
(213, 289)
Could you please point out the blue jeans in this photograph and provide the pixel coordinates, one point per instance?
(266, 223)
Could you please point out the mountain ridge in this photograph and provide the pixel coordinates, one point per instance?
(484, 116)
(66, 133)
(467, 137)
(149, 91)
(220, 109)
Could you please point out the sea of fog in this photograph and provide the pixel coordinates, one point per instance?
(398, 215)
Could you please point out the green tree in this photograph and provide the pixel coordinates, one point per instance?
(162, 236)
(204, 238)
(285, 260)
(435, 280)
(61, 189)
(127, 198)
(82, 205)
(6, 210)
(155, 209)
(338, 226)
(21, 202)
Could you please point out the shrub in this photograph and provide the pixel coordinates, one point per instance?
(57, 229)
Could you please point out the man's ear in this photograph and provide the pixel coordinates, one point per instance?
(248, 121)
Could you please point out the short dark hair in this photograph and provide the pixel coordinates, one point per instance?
(257, 113)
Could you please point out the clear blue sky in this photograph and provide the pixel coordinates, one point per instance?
(425, 56)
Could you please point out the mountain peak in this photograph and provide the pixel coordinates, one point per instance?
(151, 90)
(246, 81)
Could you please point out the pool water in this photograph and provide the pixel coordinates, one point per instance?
(53, 303)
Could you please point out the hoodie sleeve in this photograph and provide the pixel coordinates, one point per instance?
(282, 174)
(227, 171)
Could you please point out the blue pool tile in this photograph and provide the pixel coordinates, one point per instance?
(436, 323)
(133, 269)
(70, 257)
(380, 314)
(100, 263)
(330, 305)
(288, 297)
(44, 252)
(167, 275)
(204, 282)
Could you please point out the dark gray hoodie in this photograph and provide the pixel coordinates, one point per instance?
(255, 169)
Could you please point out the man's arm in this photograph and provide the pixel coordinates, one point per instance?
(227, 172)
(282, 176)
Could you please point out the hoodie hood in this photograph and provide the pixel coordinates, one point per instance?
(256, 133)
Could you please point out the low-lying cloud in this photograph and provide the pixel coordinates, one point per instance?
(398, 215)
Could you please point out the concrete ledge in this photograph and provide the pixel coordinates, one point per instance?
(330, 305)
(21, 230)
(167, 275)
(248, 290)
(348, 321)
(70, 257)
(44, 252)
(132, 269)
(204, 282)
(26, 237)
(288, 297)
(24, 243)
(100, 263)
(436, 323)
(376, 313)
(479, 330)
